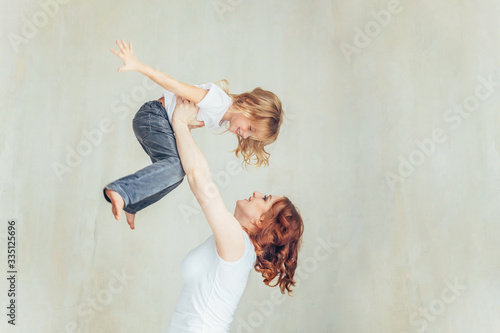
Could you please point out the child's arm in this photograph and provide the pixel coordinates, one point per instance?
(131, 63)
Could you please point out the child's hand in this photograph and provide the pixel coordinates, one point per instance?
(185, 112)
(127, 55)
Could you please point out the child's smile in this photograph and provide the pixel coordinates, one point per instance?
(241, 125)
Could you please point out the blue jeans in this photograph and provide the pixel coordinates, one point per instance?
(148, 185)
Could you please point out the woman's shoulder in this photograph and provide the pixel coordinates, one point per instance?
(248, 254)
(248, 243)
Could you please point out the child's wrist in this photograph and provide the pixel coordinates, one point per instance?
(141, 67)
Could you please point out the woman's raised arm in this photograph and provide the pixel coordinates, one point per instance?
(131, 63)
(227, 230)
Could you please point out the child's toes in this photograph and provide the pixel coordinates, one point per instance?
(131, 220)
(116, 213)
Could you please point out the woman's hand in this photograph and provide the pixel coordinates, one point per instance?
(126, 54)
(185, 112)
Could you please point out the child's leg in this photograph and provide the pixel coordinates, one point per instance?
(150, 184)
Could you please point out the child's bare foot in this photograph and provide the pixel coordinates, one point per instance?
(130, 220)
(117, 203)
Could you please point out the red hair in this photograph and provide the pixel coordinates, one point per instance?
(277, 244)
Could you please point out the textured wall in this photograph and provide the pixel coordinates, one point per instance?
(390, 149)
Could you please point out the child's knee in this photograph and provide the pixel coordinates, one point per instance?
(179, 168)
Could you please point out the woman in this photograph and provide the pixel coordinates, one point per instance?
(264, 232)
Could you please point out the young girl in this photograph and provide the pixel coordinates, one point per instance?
(255, 117)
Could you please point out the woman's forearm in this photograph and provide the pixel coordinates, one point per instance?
(227, 231)
(192, 158)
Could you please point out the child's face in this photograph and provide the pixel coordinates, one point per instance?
(242, 126)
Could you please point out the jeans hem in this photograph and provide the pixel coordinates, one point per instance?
(118, 190)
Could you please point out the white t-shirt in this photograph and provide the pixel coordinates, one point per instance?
(212, 289)
(212, 107)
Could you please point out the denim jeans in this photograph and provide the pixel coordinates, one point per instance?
(148, 185)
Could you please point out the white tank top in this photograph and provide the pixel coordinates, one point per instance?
(212, 289)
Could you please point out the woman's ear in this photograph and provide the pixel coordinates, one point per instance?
(256, 222)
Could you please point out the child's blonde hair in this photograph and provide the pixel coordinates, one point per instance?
(264, 110)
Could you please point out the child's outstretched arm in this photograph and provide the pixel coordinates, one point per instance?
(131, 63)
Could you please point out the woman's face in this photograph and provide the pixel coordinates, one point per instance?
(248, 211)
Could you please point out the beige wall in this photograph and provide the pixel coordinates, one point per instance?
(398, 189)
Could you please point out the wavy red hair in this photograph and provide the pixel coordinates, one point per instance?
(277, 244)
